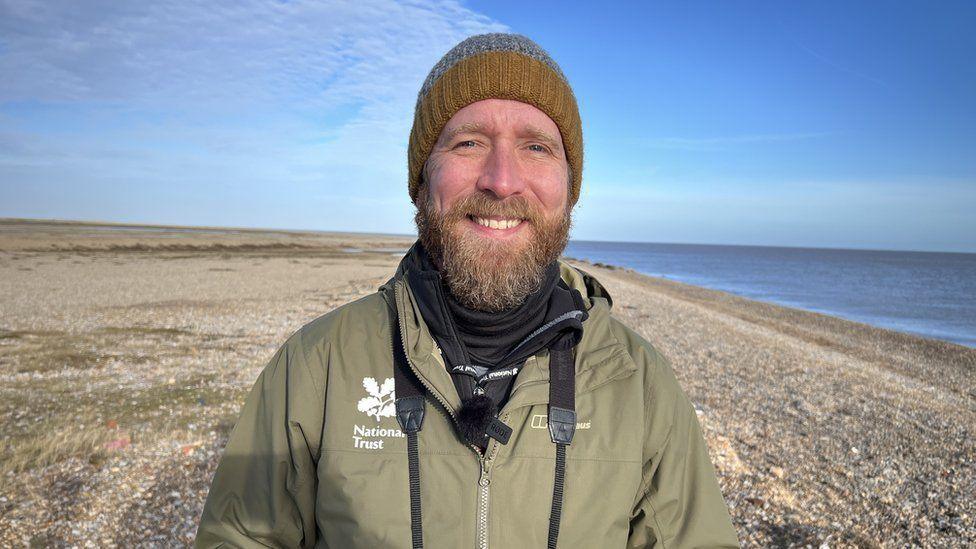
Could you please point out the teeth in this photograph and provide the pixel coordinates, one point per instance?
(494, 224)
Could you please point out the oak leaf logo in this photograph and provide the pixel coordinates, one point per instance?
(380, 402)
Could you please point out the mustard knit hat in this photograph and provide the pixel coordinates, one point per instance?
(495, 65)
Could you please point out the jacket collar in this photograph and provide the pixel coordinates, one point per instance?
(600, 357)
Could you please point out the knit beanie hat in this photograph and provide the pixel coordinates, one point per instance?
(495, 65)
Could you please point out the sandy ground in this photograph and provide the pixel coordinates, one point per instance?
(125, 353)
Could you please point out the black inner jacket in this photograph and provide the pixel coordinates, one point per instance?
(484, 351)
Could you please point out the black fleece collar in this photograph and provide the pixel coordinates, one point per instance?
(553, 315)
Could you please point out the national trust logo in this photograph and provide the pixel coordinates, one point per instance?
(380, 402)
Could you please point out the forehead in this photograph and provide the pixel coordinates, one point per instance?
(500, 115)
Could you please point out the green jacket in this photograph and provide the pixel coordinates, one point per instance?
(318, 459)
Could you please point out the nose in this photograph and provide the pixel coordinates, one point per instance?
(501, 174)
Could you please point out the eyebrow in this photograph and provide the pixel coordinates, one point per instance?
(531, 131)
(468, 127)
(544, 136)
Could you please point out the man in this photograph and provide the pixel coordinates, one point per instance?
(484, 396)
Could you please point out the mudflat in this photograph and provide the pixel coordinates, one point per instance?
(126, 353)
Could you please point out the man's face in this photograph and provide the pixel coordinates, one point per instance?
(493, 208)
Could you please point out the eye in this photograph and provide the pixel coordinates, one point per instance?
(462, 143)
(541, 148)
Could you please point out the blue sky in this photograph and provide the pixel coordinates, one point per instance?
(805, 124)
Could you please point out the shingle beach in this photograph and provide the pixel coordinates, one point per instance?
(126, 352)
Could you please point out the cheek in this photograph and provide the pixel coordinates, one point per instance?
(553, 197)
(450, 181)
(549, 184)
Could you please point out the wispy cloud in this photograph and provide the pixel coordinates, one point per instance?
(183, 53)
(316, 95)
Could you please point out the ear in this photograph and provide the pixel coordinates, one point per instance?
(422, 189)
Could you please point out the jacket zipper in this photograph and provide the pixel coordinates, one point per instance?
(483, 459)
(483, 483)
(483, 496)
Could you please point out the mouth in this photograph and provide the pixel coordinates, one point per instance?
(495, 226)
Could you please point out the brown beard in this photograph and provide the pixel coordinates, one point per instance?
(483, 274)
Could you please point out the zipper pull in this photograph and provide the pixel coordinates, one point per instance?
(498, 430)
(484, 481)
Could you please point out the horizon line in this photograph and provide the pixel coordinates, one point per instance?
(99, 222)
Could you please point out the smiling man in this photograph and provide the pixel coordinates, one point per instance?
(484, 396)
(497, 213)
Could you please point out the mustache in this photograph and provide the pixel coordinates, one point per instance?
(480, 205)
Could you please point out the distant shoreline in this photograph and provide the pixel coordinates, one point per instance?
(202, 228)
(769, 302)
(154, 239)
(275, 230)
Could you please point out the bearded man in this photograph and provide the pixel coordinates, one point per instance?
(555, 424)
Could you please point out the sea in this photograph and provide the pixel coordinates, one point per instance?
(931, 294)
